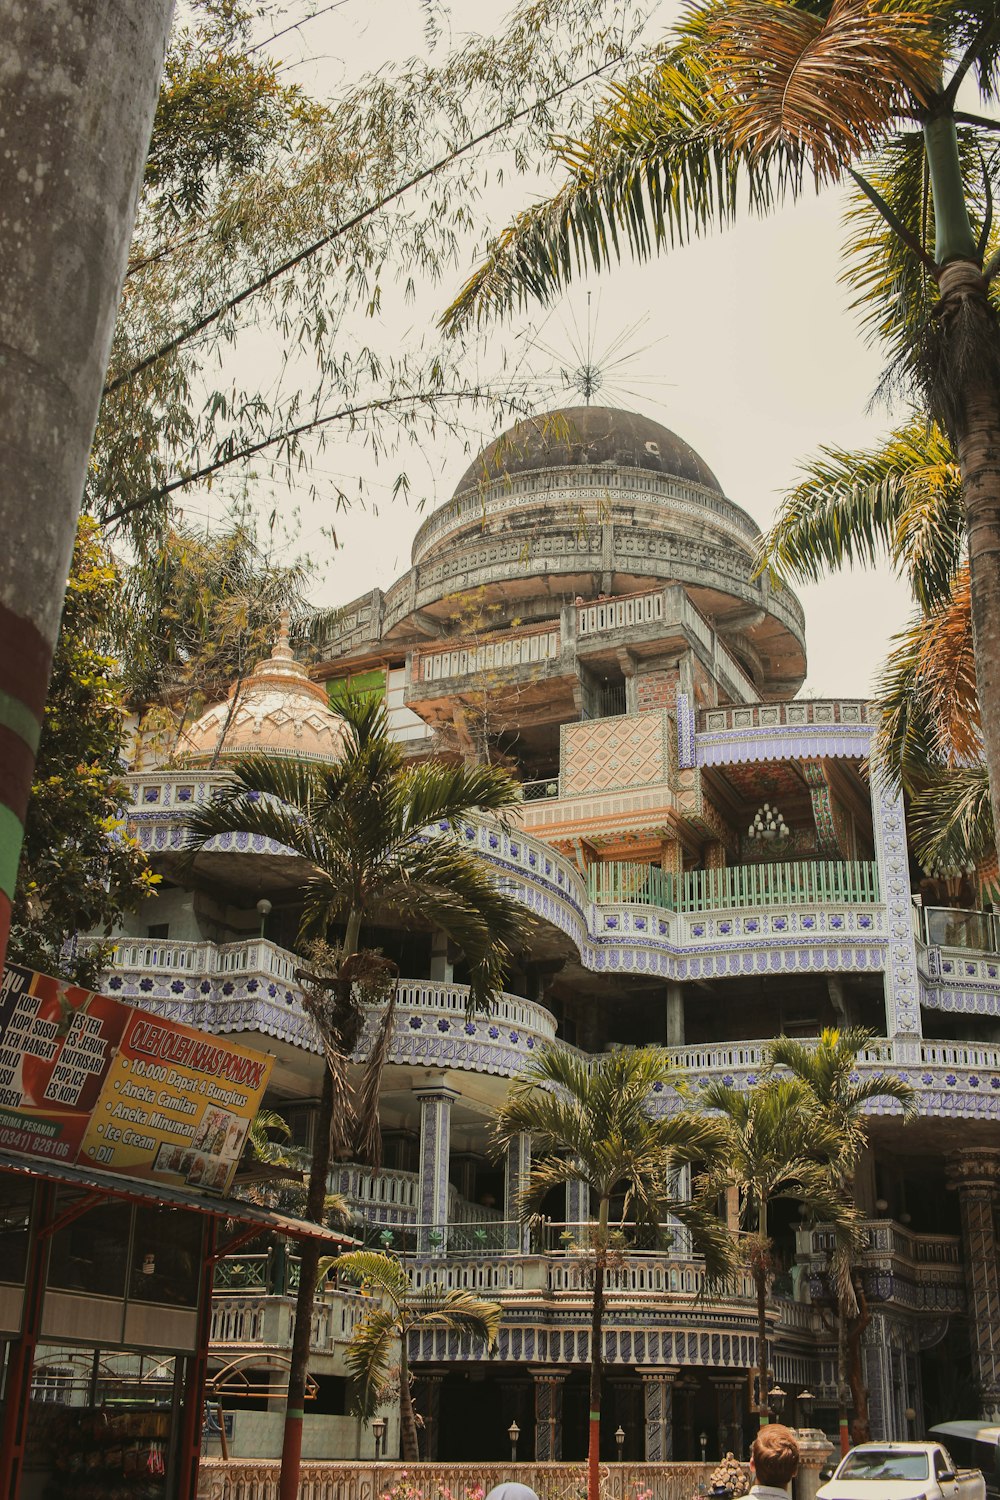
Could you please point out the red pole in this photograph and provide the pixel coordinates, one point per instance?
(189, 1447)
(14, 1431)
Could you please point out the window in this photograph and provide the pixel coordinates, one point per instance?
(884, 1463)
(166, 1256)
(15, 1211)
(53, 1384)
(90, 1254)
(158, 931)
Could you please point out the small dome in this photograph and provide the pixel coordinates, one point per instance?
(279, 711)
(587, 435)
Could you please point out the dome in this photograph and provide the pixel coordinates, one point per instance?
(584, 436)
(279, 711)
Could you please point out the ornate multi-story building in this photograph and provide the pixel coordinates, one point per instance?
(705, 862)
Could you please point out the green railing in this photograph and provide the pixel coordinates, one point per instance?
(793, 883)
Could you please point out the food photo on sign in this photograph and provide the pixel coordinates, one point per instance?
(86, 1078)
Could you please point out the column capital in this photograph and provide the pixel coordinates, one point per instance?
(658, 1372)
(436, 1090)
(976, 1170)
(549, 1372)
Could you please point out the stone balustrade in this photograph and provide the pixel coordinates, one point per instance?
(499, 653)
(360, 1479)
(267, 1320)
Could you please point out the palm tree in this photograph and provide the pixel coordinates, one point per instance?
(776, 1145)
(828, 1069)
(400, 1311)
(752, 103)
(591, 1123)
(376, 838)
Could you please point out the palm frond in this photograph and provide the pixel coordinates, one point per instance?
(376, 1272)
(828, 86)
(369, 1361)
(927, 694)
(458, 1310)
(951, 820)
(653, 172)
(901, 500)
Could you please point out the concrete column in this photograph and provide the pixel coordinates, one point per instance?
(548, 1413)
(975, 1174)
(878, 1378)
(902, 1006)
(578, 1208)
(517, 1165)
(729, 1396)
(675, 1015)
(442, 969)
(814, 1450)
(658, 1412)
(427, 1399)
(435, 1144)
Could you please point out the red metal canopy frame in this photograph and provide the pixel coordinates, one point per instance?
(96, 1187)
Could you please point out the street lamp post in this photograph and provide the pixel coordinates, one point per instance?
(620, 1440)
(513, 1432)
(776, 1399)
(378, 1432)
(263, 911)
(703, 1440)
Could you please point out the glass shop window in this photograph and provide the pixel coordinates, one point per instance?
(90, 1254)
(166, 1256)
(15, 1211)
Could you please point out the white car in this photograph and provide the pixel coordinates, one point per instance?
(902, 1471)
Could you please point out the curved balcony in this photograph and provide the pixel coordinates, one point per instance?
(250, 987)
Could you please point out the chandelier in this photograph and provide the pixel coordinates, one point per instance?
(767, 823)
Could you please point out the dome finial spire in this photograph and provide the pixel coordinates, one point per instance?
(282, 649)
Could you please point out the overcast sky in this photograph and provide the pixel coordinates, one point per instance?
(750, 353)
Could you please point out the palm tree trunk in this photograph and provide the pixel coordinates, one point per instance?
(760, 1281)
(859, 1391)
(977, 440)
(319, 1171)
(409, 1440)
(843, 1386)
(968, 380)
(298, 1365)
(80, 85)
(597, 1354)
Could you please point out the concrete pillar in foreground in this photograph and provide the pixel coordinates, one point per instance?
(658, 1412)
(435, 1149)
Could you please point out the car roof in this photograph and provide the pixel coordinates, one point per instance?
(985, 1432)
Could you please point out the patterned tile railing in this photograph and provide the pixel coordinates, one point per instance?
(266, 1320)
(848, 711)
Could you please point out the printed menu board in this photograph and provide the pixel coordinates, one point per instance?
(89, 1080)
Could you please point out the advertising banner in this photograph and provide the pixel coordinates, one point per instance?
(89, 1080)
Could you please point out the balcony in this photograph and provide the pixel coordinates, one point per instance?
(793, 883)
(920, 1271)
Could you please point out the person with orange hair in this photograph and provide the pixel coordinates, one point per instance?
(774, 1459)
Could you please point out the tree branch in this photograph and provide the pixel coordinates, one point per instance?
(385, 403)
(188, 333)
(984, 36)
(895, 224)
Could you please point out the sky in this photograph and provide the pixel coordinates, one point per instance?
(745, 346)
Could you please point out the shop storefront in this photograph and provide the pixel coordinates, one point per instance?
(106, 1272)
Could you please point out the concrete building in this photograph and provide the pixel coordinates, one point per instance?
(706, 864)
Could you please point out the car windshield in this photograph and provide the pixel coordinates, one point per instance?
(883, 1463)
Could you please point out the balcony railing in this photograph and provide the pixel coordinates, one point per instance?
(510, 649)
(793, 883)
(951, 927)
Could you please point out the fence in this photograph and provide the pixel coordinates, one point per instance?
(257, 1479)
(793, 883)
